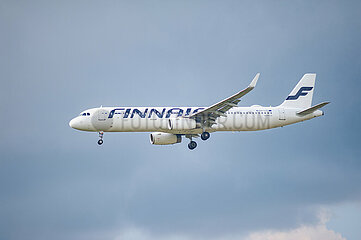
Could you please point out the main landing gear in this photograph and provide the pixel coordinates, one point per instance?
(100, 141)
(205, 135)
(192, 145)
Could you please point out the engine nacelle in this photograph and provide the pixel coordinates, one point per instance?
(160, 138)
(181, 124)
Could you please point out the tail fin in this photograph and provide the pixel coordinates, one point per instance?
(301, 95)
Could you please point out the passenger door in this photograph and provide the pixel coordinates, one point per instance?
(102, 115)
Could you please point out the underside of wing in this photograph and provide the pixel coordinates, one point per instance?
(208, 116)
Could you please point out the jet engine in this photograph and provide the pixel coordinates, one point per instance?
(160, 138)
(181, 124)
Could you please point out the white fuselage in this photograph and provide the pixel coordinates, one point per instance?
(169, 124)
(154, 119)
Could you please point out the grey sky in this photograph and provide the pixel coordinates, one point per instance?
(61, 57)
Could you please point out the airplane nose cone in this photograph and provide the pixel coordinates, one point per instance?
(75, 123)
(71, 123)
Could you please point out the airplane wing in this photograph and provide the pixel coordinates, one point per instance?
(208, 116)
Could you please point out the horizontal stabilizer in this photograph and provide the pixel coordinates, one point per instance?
(312, 109)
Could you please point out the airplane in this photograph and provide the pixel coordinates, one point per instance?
(169, 124)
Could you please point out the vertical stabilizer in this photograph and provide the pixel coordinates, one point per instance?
(301, 95)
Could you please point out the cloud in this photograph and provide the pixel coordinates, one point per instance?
(319, 231)
(306, 232)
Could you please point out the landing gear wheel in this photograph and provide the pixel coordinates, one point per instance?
(101, 135)
(205, 135)
(192, 145)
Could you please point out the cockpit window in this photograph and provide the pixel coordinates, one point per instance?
(88, 114)
(84, 114)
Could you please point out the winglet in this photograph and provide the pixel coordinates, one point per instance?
(254, 81)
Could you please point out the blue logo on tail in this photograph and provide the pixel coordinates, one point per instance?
(302, 92)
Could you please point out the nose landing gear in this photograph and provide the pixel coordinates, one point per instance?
(100, 141)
